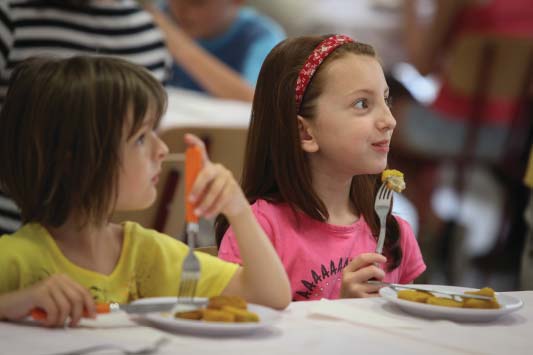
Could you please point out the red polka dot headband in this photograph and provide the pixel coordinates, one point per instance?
(314, 60)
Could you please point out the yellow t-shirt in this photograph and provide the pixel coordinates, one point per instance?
(528, 179)
(149, 265)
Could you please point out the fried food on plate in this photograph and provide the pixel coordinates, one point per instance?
(474, 303)
(429, 298)
(218, 302)
(415, 296)
(446, 302)
(228, 309)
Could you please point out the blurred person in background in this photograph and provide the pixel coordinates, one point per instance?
(455, 46)
(526, 275)
(218, 45)
(65, 28)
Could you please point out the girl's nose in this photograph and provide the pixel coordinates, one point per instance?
(387, 120)
(162, 148)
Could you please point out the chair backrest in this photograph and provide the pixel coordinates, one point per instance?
(224, 145)
(169, 201)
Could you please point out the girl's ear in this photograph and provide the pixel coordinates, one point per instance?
(307, 138)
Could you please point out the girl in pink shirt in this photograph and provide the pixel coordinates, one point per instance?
(318, 140)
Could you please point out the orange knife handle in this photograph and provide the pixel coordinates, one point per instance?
(40, 314)
(193, 165)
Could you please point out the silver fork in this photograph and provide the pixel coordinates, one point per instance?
(147, 350)
(382, 208)
(190, 272)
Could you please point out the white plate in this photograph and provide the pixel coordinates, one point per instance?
(508, 304)
(267, 317)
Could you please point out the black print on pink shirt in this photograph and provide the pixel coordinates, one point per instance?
(318, 277)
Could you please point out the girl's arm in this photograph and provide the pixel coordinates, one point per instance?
(262, 278)
(58, 296)
(212, 74)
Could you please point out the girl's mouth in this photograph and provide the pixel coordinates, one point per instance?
(382, 146)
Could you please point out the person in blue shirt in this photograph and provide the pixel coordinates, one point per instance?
(218, 45)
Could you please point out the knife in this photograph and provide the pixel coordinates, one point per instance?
(409, 287)
(103, 308)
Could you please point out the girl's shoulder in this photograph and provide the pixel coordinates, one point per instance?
(406, 231)
(268, 208)
(142, 237)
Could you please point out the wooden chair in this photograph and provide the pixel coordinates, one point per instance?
(224, 145)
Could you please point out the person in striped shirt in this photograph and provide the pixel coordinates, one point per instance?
(66, 28)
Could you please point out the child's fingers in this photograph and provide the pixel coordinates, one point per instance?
(364, 260)
(213, 192)
(220, 201)
(364, 274)
(83, 299)
(192, 140)
(206, 176)
(47, 304)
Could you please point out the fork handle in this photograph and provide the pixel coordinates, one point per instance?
(381, 239)
(193, 165)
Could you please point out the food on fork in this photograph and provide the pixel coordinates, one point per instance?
(228, 309)
(394, 179)
(429, 298)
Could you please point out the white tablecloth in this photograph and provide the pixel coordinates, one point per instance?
(192, 109)
(300, 332)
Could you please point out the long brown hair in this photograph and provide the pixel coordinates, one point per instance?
(62, 128)
(275, 167)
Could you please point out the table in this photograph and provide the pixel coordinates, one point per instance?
(300, 332)
(192, 109)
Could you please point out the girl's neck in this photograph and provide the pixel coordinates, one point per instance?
(93, 247)
(334, 191)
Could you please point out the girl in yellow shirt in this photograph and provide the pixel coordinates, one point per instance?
(77, 143)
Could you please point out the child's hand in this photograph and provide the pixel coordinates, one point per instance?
(58, 296)
(215, 189)
(356, 274)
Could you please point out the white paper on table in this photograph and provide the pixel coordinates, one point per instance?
(359, 315)
(111, 320)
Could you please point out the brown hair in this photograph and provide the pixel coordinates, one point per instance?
(275, 167)
(62, 130)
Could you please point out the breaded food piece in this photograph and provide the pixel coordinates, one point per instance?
(218, 302)
(474, 303)
(415, 296)
(394, 179)
(484, 304)
(215, 315)
(195, 315)
(241, 315)
(485, 291)
(446, 302)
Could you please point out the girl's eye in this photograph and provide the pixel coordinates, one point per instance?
(140, 139)
(361, 104)
(388, 101)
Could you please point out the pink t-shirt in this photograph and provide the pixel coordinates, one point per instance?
(314, 253)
